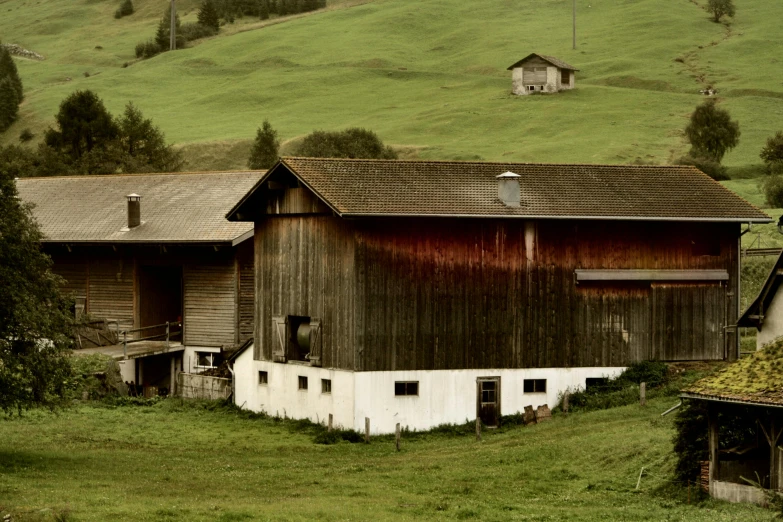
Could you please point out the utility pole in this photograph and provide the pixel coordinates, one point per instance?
(574, 17)
(173, 35)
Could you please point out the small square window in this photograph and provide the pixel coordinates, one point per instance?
(326, 385)
(402, 388)
(531, 87)
(208, 360)
(302, 382)
(263, 377)
(534, 385)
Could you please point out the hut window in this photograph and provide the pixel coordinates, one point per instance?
(263, 377)
(531, 87)
(302, 382)
(326, 385)
(534, 386)
(403, 388)
(565, 77)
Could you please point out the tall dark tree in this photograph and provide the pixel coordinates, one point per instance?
(711, 132)
(208, 15)
(8, 70)
(350, 143)
(144, 144)
(163, 34)
(34, 319)
(265, 149)
(263, 10)
(83, 124)
(720, 8)
(772, 153)
(9, 104)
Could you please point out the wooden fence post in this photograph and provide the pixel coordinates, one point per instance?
(478, 428)
(643, 394)
(367, 430)
(397, 436)
(565, 402)
(329, 428)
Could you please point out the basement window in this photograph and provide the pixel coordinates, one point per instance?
(263, 377)
(302, 382)
(534, 386)
(403, 388)
(208, 359)
(326, 385)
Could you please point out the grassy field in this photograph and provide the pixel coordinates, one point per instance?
(175, 462)
(428, 76)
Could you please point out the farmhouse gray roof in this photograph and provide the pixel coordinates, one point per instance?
(560, 64)
(548, 191)
(175, 207)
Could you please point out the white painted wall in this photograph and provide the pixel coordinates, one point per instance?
(445, 396)
(773, 322)
(128, 370)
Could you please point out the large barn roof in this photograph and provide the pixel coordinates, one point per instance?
(175, 208)
(560, 64)
(756, 379)
(355, 188)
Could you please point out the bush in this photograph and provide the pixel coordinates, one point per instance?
(125, 9)
(190, 31)
(26, 135)
(773, 190)
(335, 436)
(147, 49)
(772, 153)
(623, 389)
(350, 143)
(709, 166)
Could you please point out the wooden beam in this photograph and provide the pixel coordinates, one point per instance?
(713, 444)
(651, 275)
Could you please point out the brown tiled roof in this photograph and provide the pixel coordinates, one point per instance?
(755, 379)
(560, 64)
(179, 207)
(469, 189)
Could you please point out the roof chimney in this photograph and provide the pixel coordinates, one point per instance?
(134, 210)
(508, 189)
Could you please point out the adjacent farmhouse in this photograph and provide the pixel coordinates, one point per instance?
(434, 292)
(765, 313)
(141, 251)
(744, 405)
(537, 73)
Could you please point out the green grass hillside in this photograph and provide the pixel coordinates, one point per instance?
(429, 75)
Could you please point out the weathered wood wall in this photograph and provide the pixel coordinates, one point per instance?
(210, 304)
(438, 294)
(247, 289)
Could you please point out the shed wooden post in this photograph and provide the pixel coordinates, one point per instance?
(478, 428)
(712, 423)
(643, 394)
(367, 430)
(329, 427)
(773, 436)
(565, 402)
(397, 436)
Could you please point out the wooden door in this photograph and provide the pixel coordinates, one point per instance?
(488, 400)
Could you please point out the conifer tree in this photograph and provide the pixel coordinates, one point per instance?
(163, 35)
(8, 70)
(208, 15)
(9, 104)
(263, 10)
(265, 149)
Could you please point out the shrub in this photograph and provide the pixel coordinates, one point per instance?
(709, 166)
(623, 389)
(26, 135)
(125, 9)
(772, 153)
(335, 436)
(147, 49)
(190, 31)
(773, 190)
(350, 143)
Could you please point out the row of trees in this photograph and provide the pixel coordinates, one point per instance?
(87, 139)
(208, 25)
(350, 143)
(231, 9)
(11, 91)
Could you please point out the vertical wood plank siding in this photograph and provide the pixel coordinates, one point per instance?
(408, 294)
(74, 273)
(210, 303)
(111, 291)
(246, 290)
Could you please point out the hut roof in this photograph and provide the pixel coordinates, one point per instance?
(753, 316)
(175, 207)
(548, 191)
(560, 64)
(755, 379)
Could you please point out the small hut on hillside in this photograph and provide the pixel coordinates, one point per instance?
(540, 73)
(745, 411)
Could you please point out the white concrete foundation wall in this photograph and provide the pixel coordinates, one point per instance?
(449, 396)
(772, 328)
(190, 359)
(128, 370)
(281, 395)
(731, 492)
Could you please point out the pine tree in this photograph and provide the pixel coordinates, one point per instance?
(9, 104)
(208, 15)
(263, 10)
(265, 149)
(163, 35)
(8, 70)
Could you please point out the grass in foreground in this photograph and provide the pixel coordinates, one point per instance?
(175, 461)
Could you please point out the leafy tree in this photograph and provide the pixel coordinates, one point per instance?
(34, 319)
(144, 144)
(772, 153)
(711, 132)
(773, 190)
(9, 104)
(350, 143)
(126, 9)
(83, 124)
(208, 15)
(720, 8)
(265, 149)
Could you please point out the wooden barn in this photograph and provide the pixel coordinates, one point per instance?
(430, 292)
(765, 313)
(537, 73)
(139, 251)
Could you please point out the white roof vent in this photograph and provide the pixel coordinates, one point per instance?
(508, 189)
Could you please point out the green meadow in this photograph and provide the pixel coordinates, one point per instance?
(183, 461)
(428, 76)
